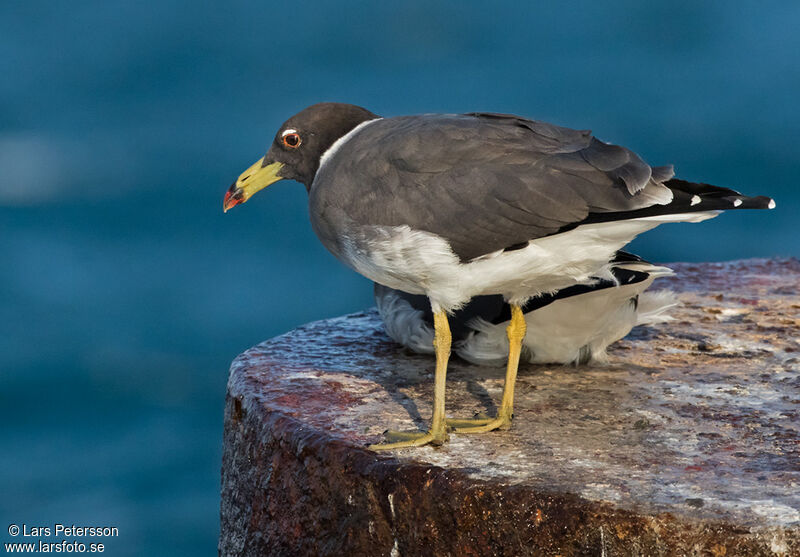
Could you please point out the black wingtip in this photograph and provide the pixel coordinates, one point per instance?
(626, 257)
(717, 198)
(758, 202)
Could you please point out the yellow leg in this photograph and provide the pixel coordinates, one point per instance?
(516, 332)
(437, 434)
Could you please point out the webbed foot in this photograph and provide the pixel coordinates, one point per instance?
(481, 423)
(403, 439)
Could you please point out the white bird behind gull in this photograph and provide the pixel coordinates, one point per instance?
(573, 326)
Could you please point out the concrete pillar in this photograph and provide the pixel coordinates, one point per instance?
(686, 443)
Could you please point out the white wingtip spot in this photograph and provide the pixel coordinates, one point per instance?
(771, 204)
(695, 200)
(737, 202)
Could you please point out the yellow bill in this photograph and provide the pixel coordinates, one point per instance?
(251, 181)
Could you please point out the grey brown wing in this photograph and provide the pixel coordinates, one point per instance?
(485, 182)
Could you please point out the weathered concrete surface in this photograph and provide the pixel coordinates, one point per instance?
(686, 443)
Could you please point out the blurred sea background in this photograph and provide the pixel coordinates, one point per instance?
(124, 290)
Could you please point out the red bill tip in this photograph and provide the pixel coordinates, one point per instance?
(233, 197)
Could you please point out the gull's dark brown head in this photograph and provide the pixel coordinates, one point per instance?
(297, 148)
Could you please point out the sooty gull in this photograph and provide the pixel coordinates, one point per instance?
(572, 326)
(453, 206)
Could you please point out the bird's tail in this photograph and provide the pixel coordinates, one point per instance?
(688, 198)
(697, 196)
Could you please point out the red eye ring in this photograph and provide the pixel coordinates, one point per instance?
(292, 140)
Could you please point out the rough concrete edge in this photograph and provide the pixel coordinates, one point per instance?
(565, 524)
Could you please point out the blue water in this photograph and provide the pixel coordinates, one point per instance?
(124, 290)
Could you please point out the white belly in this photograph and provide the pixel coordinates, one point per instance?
(423, 263)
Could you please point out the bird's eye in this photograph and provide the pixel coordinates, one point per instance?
(291, 140)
